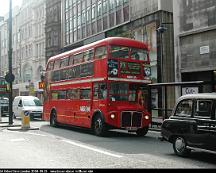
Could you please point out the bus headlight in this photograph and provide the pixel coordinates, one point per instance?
(146, 117)
(112, 116)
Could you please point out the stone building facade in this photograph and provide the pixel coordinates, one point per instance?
(53, 28)
(195, 40)
(28, 43)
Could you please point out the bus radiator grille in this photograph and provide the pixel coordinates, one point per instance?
(131, 119)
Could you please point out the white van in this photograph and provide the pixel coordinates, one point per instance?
(31, 104)
(4, 104)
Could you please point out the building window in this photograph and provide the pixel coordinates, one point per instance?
(112, 19)
(83, 32)
(88, 14)
(99, 25)
(105, 6)
(83, 17)
(99, 8)
(126, 13)
(105, 23)
(119, 17)
(94, 28)
(111, 4)
(93, 12)
(75, 23)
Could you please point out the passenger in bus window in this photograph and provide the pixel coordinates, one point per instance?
(140, 98)
(132, 96)
(103, 91)
(112, 98)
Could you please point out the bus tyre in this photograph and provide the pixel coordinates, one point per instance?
(142, 132)
(180, 147)
(53, 116)
(99, 126)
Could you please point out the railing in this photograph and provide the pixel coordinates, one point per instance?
(162, 114)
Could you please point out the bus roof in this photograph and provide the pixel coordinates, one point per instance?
(121, 41)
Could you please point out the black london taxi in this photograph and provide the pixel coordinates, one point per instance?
(192, 124)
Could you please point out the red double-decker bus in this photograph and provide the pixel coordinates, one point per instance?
(101, 86)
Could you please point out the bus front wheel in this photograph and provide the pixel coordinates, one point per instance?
(99, 126)
(53, 117)
(142, 132)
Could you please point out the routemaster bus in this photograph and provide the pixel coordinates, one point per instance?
(102, 86)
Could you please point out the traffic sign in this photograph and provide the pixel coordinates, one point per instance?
(9, 77)
(41, 85)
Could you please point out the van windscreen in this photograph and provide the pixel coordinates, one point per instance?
(34, 102)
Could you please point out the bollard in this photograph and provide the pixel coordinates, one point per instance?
(26, 120)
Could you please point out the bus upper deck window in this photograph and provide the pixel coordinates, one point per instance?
(78, 58)
(57, 64)
(64, 62)
(100, 52)
(71, 60)
(119, 52)
(88, 55)
(139, 54)
(50, 66)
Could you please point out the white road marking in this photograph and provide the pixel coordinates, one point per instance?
(17, 140)
(36, 134)
(93, 149)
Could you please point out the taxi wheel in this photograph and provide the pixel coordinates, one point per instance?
(142, 131)
(180, 147)
(53, 116)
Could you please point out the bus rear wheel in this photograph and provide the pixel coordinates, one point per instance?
(142, 131)
(53, 117)
(99, 126)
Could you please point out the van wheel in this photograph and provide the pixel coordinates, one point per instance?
(142, 131)
(99, 126)
(53, 117)
(179, 147)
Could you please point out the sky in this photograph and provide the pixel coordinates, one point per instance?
(4, 6)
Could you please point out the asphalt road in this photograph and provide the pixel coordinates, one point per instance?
(66, 147)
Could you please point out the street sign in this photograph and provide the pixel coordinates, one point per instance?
(9, 77)
(41, 85)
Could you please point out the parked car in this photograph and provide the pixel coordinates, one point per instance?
(31, 104)
(192, 125)
(4, 105)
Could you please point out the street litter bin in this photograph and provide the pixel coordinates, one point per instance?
(26, 120)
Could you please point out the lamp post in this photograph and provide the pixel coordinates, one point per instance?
(161, 30)
(10, 76)
(20, 57)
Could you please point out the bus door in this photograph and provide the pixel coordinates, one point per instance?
(99, 96)
(142, 96)
(82, 117)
